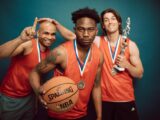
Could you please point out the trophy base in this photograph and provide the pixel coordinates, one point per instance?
(119, 68)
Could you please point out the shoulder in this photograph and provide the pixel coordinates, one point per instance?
(132, 44)
(97, 41)
(28, 47)
(59, 51)
(97, 52)
(67, 43)
(95, 48)
(133, 48)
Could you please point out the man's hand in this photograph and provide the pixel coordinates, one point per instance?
(124, 44)
(40, 93)
(29, 32)
(121, 61)
(40, 20)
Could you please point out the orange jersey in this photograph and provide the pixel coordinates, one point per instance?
(72, 71)
(16, 81)
(118, 88)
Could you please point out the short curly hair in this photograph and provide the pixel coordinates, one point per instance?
(85, 12)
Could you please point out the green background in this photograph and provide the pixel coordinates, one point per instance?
(145, 23)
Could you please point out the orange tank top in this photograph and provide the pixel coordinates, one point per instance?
(118, 88)
(16, 81)
(72, 71)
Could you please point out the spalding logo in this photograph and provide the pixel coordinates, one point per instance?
(59, 92)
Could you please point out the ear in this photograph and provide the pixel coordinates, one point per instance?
(103, 26)
(74, 29)
(96, 30)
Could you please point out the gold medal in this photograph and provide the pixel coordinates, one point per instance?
(81, 84)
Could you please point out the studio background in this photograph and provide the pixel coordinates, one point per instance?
(145, 22)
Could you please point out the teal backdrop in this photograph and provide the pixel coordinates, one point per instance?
(145, 23)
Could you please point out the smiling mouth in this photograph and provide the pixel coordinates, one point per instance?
(111, 26)
(47, 41)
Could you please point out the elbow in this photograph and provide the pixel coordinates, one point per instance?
(72, 36)
(140, 75)
(30, 77)
(3, 56)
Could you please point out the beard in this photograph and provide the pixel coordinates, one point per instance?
(85, 43)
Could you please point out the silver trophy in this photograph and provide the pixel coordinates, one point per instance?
(126, 31)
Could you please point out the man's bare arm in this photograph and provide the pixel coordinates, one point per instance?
(54, 58)
(66, 33)
(8, 48)
(96, 92)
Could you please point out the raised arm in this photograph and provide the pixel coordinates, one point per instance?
(12, 48)
(96, 92)
(7, 48)
(66, 33)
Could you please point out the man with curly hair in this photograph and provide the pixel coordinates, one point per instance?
(79, 60)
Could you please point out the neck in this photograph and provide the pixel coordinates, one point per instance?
(82, 48)
(82, 51)
(42, 48)
(113, 37)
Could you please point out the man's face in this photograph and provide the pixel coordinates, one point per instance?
(46, 34)
(85, 31)
(110, 23)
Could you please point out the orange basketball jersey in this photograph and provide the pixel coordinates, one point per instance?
(116, 88)
(16, 81)
(72, 71)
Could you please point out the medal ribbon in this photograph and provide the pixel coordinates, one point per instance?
(38, 51)
(81, 66)
(113, 54)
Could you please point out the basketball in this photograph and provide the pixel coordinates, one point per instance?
(61, 94)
